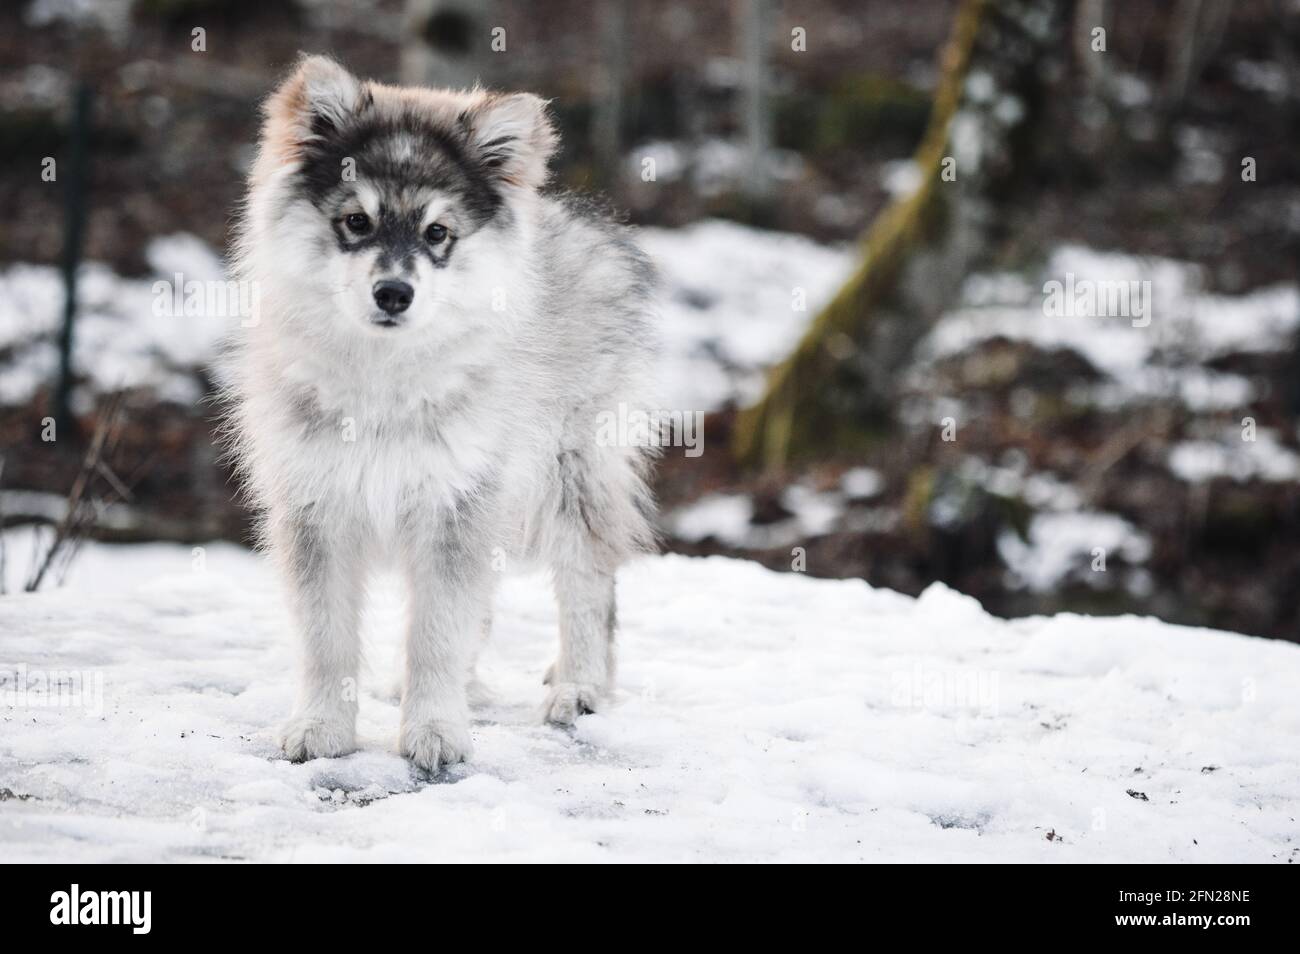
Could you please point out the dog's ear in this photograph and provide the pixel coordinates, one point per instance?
(316, 101)
(511, 137)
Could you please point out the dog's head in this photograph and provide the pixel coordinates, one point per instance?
(403, 208)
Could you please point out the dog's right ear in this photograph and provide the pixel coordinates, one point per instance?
(316, 101)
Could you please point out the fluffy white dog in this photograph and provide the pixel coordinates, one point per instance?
(437, 343)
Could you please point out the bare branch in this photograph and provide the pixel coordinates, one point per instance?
(74, 523)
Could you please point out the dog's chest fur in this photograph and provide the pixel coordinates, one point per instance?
(380, 443)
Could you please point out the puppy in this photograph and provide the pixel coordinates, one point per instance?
(437, 343)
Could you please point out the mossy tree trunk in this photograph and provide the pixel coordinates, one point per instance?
(837, 391)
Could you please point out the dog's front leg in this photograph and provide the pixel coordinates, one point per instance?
(448, 567)
(321, 567)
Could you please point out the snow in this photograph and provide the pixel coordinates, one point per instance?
(861, 483)
(736, 301)
(814, 513)
(1063, 541)
(1060, 544)
(1042, 491)
(1263, 77)
(121, 339)
(1060, 540)
(761, 717)
(1232, 456)
(1185, 328)
(109, 15)
(901, 177)
(728, 518)
(725, 517)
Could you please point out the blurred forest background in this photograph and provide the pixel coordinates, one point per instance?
(886, 394)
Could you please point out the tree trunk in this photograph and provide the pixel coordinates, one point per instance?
(1195, 33)
(607, 95)
(837, 391)
(754, 120)
(75, 210)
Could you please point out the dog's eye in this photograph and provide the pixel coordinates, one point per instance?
(358, 222)
(436, 233)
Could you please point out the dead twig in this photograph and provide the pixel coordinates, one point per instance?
(1119, 446)
(77, 520)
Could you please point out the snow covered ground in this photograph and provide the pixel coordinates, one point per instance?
(761, 717)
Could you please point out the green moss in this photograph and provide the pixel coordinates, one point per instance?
(917, 499)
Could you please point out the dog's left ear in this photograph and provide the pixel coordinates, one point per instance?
(511, 137)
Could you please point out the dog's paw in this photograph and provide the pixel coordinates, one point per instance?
(568, 700)
(433, 744)
(313, 737)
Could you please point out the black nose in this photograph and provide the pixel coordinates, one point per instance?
(393, 296)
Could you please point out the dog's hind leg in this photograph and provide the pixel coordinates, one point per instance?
(584, 671)
(596, 524)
